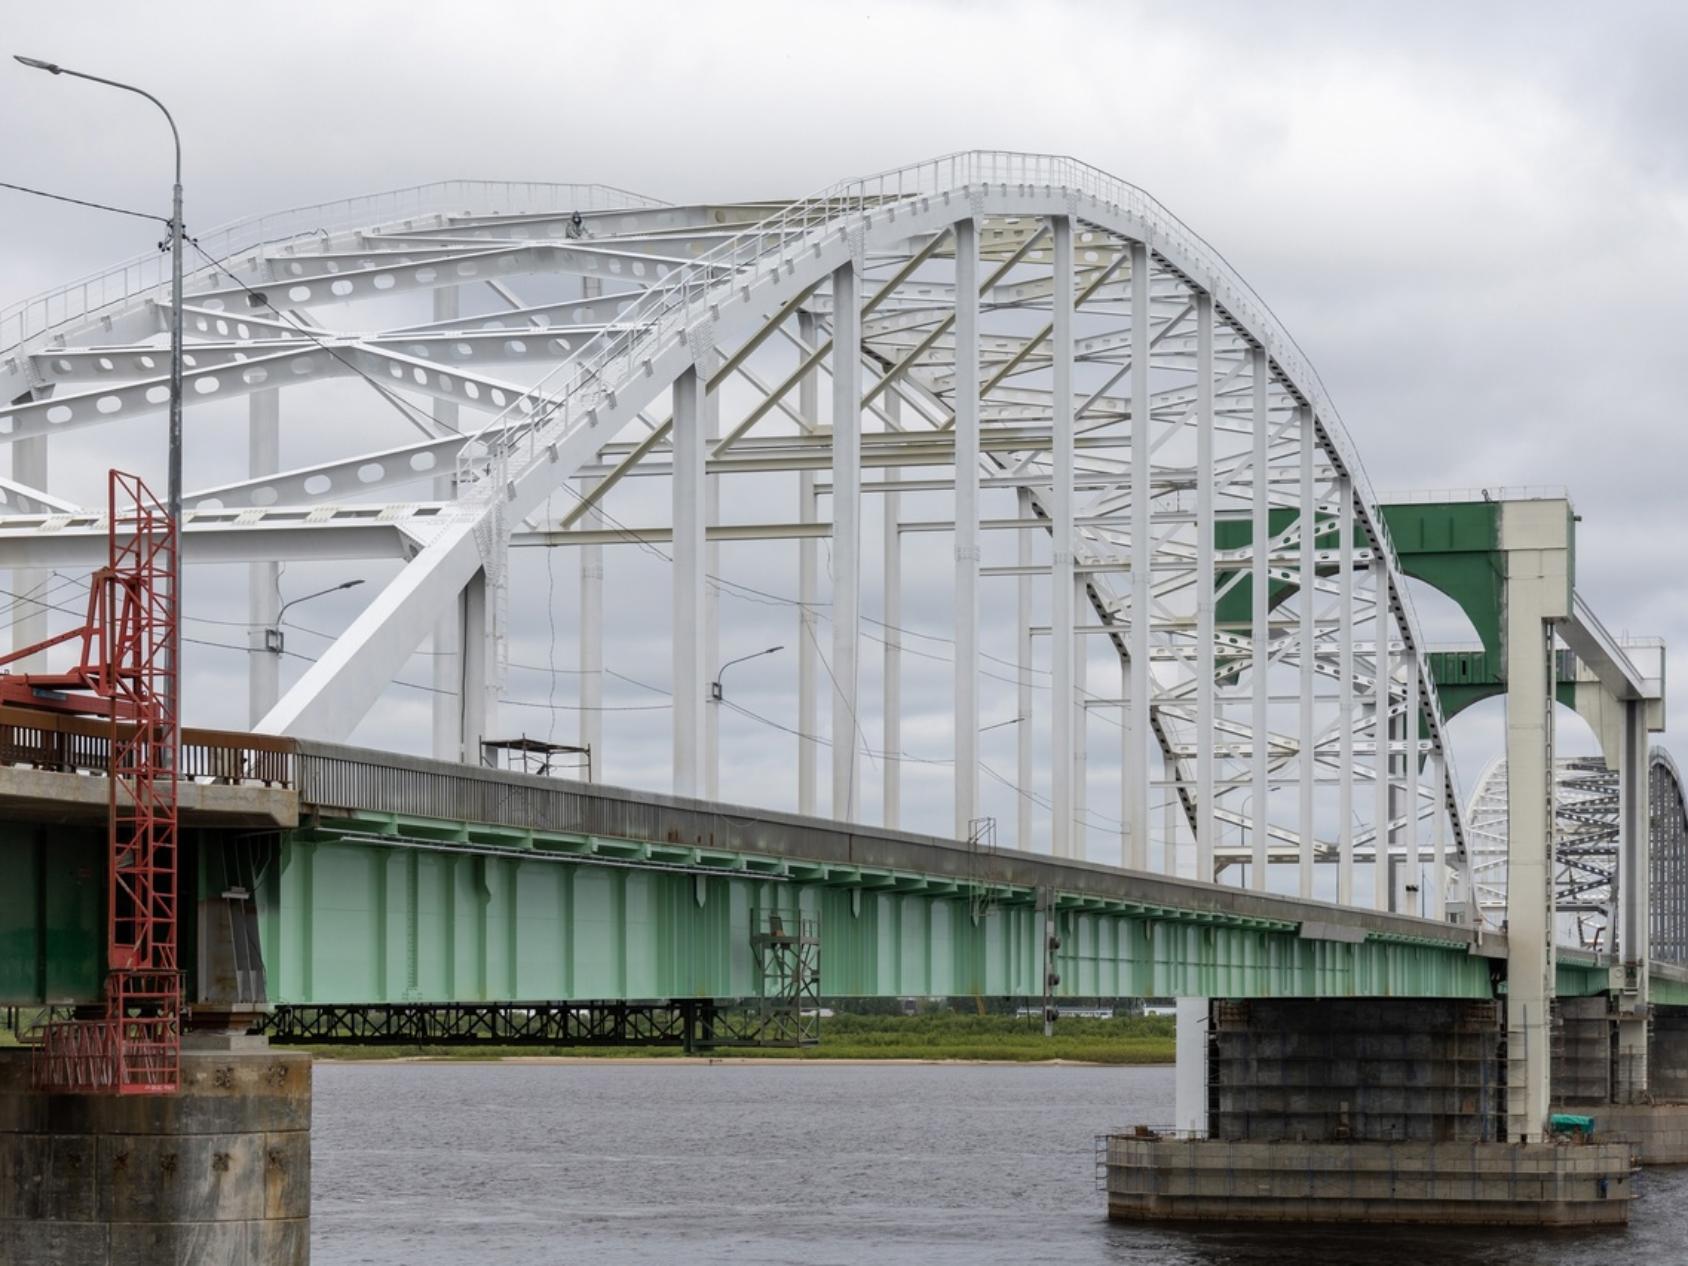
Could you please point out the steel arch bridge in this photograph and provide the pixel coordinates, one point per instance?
(1111, 422)
(1587, 852)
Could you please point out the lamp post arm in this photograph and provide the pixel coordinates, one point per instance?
(306, 597)
(715, 686)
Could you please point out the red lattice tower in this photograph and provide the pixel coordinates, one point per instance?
(127, 674)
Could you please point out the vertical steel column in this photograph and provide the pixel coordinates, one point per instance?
(691, 401)
(591, 641)
(1634, 907)
(1081, 717)
(29, 619)
(591, 645)
(711, 418)
(1345, 687)
(966, 402)
(1382, 832)
(846, 534)
(1533, 536)
(1633, 835)
(447, 650)
(808, 639)
(447, 647)
(1260, 630)
(476, 673)
(892, 685)
(1061, 697)
(1308, 582)
(1207, 821)
(1024, 772)
(1439, 838)
(1409, 770)
(263, 580)
(1125, 768)
(1142, 562)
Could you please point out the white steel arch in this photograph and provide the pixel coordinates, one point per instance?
(1587, 853)
(1040, 348)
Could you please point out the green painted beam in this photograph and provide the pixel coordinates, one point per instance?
(371, 918)
(52, 928)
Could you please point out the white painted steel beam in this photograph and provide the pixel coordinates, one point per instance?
(965, 404)
(690, 671)
(263, 580)
(846, 537)
(1137, 732)
(1060, 507)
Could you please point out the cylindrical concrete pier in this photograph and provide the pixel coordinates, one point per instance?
(220, 1172)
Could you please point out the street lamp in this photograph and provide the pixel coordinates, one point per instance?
(174, 495)
(715, 686)
(275, 641)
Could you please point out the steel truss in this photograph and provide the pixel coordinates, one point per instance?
(1113, 421)
(1586, 851)
(694, 1023)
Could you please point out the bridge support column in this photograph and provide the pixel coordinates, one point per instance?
(1634, 907)
(1535, 541)
(1189, 1085)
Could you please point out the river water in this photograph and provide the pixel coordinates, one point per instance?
(609, 1162)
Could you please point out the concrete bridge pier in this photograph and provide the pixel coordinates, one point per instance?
(1359, 1110)
(1656, 1122)
(220, 1172)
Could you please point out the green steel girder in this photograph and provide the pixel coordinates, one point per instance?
(1665, 991)
(360, 916)
(361, 909)
(1455, 547)
(52, 925)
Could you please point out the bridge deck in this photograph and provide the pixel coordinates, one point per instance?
(419, 880)
(379, 877)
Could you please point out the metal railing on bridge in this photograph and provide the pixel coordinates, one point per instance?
(78, 745)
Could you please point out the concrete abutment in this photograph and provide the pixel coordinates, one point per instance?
(220, 1172)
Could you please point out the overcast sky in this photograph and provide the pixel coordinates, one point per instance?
(1474, 218)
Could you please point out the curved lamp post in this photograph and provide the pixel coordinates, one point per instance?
(275, 641)
(715, 686)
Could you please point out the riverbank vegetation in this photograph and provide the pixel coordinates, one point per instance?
(942, 1035)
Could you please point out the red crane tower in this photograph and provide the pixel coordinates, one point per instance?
(127, 675)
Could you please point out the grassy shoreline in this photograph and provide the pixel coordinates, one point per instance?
(926, 1039)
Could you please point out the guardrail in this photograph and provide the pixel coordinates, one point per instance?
(80, 745)
(1492, 492)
